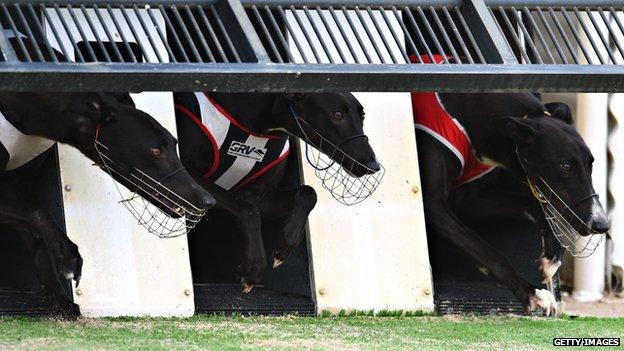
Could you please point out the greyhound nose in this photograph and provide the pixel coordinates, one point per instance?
(373, 165)
(208, 201)
(600, 226)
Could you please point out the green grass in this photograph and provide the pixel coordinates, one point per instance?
(292, 332)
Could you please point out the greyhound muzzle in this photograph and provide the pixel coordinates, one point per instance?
(337, 170)
(166, 214)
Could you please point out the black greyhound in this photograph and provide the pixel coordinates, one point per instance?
(134, 140)
(250, 198)
(530, 141)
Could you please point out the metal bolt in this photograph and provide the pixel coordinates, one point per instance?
(415, 189)
(67, 187)
(427, 291)
(78, 292)
(187, 292)
(322, 291)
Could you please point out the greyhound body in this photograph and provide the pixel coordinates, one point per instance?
(256, 198)
(501, 127)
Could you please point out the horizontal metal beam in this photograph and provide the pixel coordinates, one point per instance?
(310, 78)
(555, 3)
(352, 3)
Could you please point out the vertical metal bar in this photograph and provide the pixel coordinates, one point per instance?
(111, 39)
(611, 32)
(527, 35)
(293, 10)
(552, 36)
(381, 34)
(55, 32)
(135, 35)
(225, 34)
(94, 31)
(368, 34)
(289, 28)
(432, 34)
(318, 34)
(29, 33)
(536, 30)
(492, 41)
(147, 32)
(18, 38)
(343, 34)
(82, 33)
(199, 33)
(458, 36)
(35, 20)
(266, 33)
(395, 36)
(7, 49)
(589, 36)
(419, 34)
(345, 13)
(173, 33)
(185, 32)
(161, 35)
(242, 31)
(471, 39)
(445, 36)
(512, 33)
(77, 52)
(604, 40)
(563, 34)
(319, 12)
(576, 34)
(407, 35)
(211, 32)
(121, 34)
(278, 32)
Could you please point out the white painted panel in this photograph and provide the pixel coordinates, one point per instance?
(126, 270)
(616, 185)
(374, 255)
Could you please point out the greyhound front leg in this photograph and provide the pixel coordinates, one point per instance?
(295, 205)
(248, 220)
(442, 221)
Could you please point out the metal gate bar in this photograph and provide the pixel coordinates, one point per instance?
(282, 45)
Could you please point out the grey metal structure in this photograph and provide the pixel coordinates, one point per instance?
(296, 45)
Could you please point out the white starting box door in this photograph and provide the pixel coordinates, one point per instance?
(127, 271)
(373, 255)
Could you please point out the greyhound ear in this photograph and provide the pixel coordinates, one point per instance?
(519, 130)
(561, 111)
(294, 96)
(123, 98)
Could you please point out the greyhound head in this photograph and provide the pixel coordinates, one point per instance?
(333, 122)
(554, 156)
(133, 142)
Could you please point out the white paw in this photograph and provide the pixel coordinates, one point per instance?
(548, 268)
(544, 300)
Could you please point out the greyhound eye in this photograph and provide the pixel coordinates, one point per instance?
(338, 115)
(156, 151)
(94, 108)
(566, 167)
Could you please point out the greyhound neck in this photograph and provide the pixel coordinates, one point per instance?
(255, 111)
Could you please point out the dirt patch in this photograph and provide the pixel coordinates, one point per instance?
(605, 307)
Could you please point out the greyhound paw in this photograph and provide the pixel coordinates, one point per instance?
(251, 271)
(548, 269)
(544, 300)
(277, 262)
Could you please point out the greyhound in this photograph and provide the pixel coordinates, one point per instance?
(249, 198)
(136, 140)
(529, 140)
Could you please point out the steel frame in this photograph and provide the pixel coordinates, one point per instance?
(504, 70)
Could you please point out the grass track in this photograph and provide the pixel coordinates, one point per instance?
(294, 333)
